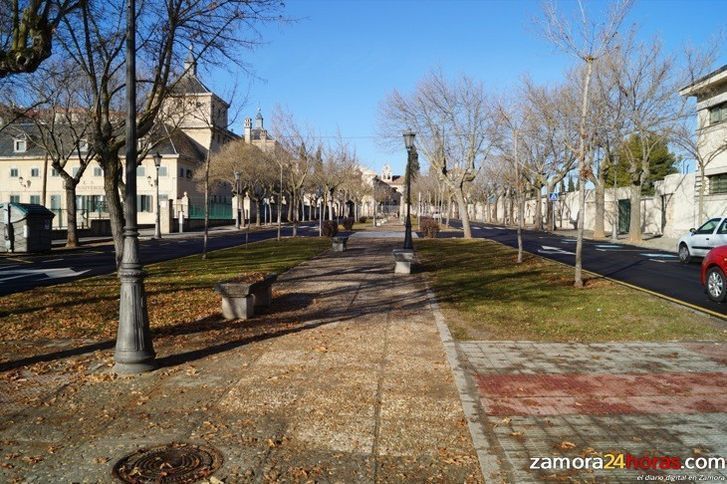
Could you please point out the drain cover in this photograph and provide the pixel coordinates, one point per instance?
(171, 463)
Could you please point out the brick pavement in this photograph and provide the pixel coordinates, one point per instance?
(566, 399)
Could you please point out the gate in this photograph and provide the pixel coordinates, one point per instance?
(624, 216)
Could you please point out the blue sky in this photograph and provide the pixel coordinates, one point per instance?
(334, 65)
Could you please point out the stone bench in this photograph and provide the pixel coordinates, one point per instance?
(239, 299)
(339, 243)
(403, 261)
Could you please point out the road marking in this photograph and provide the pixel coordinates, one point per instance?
(51, 260)
(48, 273)
(649, 254)
(546, 249)
(610, 246)
(14, 259)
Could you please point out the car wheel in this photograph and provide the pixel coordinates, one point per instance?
(684, 256)
(716, 284)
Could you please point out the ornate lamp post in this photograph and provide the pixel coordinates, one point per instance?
(134, 349)
(237, 200)
(411, 156)
(157, 226)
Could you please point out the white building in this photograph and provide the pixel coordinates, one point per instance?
(195, 124)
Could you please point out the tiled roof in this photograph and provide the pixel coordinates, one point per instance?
(178, 143)
(18, 131)
(189, 83)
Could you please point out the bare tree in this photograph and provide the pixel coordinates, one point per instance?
(697, 144)
(250, 162)
(588, 41)
(649, 81)
(454, 128)
(301, 145)
(61, 127)
(94, 38)
(26, 32)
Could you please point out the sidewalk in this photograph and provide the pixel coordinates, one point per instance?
(544, 401)
(346, 380)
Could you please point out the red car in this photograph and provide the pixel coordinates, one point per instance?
(714, 268)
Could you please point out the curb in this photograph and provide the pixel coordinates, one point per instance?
(686, 304)
(489, 461)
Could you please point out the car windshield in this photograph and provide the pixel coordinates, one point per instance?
(708, 227)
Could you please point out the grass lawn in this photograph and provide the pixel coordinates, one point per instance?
(178, 292)
(486, 295)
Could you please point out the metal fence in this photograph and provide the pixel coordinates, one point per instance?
(218, 211)
(83, 218)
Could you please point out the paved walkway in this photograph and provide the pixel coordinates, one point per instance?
(553, 400)
(346, 381)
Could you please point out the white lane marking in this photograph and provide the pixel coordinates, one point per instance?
(547, 249)
(649, 254)
(609, 246)
(48, 273)
(51, 260)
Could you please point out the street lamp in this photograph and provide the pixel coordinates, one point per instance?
(237, 200)
(157, 226)
(411, 157)
(134, 348)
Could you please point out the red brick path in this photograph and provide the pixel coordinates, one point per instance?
(603, 394)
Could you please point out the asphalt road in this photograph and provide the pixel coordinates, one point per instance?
(23, 272)
(654, 270)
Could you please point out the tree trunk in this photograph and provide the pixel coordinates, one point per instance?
(206, 205)
(599, 231)
(113, 205)
(635, 223)
(257, 213)
(511, 208)
(582, 176)
(449, 210)
(72, 234)
(463, 213)
(539, 209)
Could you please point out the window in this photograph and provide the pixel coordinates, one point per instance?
(162, 171)
(55, 202)
(54, 172)
(35, 172)
(718, 183)
(35, 199)
(13, 172)
(14, 198)
(20, 145)
(75, 170)
(723, 227)
(718, 113)
(139, 171)
(189, 173)
(144, 203)
(708, 227)
(181, 172)
(83, 145)
(97, 171)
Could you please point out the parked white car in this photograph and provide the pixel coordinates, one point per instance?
(698, 242)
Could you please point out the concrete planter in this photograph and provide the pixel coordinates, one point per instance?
(239, 299)
(339, 243)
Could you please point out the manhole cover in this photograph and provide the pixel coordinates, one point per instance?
(171, 463)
